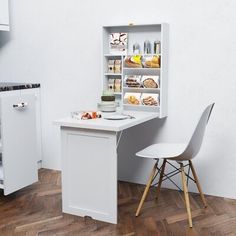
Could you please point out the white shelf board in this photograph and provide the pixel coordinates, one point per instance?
(117, 93)
(144, 55)
(142, 90)
(131, 54)
(113, 55)
(141, 69)
(130, 105)
(113, 74)
(4, 27)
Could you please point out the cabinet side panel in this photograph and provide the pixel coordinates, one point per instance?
(89, 174)
(164, 69)
(4, 14)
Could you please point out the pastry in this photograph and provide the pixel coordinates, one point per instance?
(153, 62)
(150, 83)
(132, 100)
(132, 81)
(149, 101)
(134, 61)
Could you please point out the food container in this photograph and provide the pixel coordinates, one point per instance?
(147, 47)
(136, 48)
(157, 47)
(107, 106)
(151, 62)
(132, 98)
(150, 99)
(150, 81)
(133, 81)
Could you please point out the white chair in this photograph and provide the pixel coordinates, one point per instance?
(180, 153)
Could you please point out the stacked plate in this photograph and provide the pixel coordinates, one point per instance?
(108, 103)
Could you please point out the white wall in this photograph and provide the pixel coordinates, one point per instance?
(58, 43)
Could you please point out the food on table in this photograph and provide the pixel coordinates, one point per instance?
(152, 62)
(133, 81)
(85, 115)
(133, 61)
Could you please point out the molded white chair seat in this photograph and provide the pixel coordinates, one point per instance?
(163, 150)
(180, 153)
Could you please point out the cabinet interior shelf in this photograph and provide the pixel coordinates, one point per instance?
(115, 74)
(131, 54)
(141, 105)
(141, 69)
(143, 90)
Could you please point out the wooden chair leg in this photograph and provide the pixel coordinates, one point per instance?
(146, 189)
(185, 188)
(161, 178)
(198, 184)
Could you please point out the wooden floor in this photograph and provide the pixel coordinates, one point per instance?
(36, 210)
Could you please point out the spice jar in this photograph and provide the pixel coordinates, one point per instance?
(147, 47)
(157, 47)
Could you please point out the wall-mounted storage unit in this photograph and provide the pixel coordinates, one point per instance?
(4, 15)
(142, 56)
(19, 143)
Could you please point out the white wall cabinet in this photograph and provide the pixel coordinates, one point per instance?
(18, 166)
(4, 15)
(138, 34)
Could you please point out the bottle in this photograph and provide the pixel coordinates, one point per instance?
(147, 47)
(136, 49)
(157, 47)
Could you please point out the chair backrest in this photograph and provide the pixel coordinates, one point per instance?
(195, 142)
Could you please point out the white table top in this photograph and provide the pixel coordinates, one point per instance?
(108, 125)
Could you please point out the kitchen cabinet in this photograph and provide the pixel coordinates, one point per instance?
(4, 15)
(19, 141)
(37, 96)
(142, 97)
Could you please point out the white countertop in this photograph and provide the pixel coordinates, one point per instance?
(108, 125)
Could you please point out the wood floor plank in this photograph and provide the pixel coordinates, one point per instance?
(37, 210)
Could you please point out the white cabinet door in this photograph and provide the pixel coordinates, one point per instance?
(36, 93)
(4, 15)
(19, 151)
